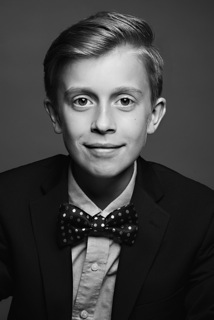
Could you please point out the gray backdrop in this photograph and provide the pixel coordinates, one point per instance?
(184, 34)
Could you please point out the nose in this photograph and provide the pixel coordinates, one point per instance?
(103, 121)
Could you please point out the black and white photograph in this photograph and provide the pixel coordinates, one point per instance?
(107, 152)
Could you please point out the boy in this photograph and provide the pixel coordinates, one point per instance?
(103, 234)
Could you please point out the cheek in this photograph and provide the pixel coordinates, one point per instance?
(73, 129)
(136, 130)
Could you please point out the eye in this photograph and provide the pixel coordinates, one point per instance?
(126, 101)
(82, 102)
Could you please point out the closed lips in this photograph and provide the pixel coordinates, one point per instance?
(103, 146)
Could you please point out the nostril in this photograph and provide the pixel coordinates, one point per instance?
(102, 130)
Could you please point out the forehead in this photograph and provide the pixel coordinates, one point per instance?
(119, 67)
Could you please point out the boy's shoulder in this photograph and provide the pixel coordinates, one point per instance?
(173, 182)
(39, 165)
(33, 172)
(160, 180)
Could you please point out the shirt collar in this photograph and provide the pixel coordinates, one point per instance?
(80, 199)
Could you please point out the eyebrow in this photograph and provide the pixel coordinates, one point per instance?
(130, 90)
(78, 90)
(89, 91)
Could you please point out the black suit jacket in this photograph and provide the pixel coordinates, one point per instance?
(167, 275)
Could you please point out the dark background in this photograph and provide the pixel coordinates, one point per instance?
(184, 34)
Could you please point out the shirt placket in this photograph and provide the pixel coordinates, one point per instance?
(93, 273)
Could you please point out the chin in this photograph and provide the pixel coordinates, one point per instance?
(103, 172)
(108, 172)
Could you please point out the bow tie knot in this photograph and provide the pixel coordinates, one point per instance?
(75, 225)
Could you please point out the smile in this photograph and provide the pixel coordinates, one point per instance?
(103, 146)
(103, 150)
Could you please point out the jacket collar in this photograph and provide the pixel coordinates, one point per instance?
(148, 180)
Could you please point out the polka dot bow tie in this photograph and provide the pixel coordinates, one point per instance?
(75, 225)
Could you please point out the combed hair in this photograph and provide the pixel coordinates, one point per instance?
(96, 36)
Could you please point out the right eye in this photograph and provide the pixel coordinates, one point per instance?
(82, 102)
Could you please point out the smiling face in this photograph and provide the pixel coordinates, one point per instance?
(105, 112)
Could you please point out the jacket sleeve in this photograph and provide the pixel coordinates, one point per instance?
(200, 293)
(5, 267)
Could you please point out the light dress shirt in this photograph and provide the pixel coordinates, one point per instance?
(95, 260)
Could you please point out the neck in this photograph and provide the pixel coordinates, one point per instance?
(102, 190)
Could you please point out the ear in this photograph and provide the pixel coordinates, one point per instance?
(53, 115)
(158, 112)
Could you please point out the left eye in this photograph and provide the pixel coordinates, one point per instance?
(125, 101)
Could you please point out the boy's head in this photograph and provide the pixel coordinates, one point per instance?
(103, 81)
(96, 36)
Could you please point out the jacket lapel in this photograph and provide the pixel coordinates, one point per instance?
(135, 261)
(55, 263)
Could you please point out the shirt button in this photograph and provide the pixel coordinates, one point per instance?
(94, 267)
(84, 314)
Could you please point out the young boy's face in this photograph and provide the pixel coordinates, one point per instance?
(105, 112)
